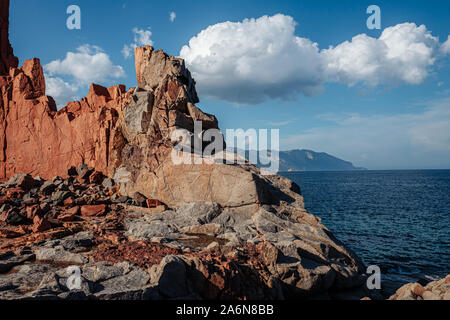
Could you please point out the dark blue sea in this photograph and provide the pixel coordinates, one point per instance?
(398, 220)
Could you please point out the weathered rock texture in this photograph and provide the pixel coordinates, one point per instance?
(436, 290)
(253, 230)
(123, 134)
(103, 129)
(278, 252)
(108, 129)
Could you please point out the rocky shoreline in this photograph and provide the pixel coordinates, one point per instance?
(137, 248)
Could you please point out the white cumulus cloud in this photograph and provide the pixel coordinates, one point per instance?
(60, 90)
(87, 65)
(402, 53)
(257, 59)
(142, 37)
(446, 46)
(249, 61)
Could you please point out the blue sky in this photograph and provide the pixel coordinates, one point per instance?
(385, 119)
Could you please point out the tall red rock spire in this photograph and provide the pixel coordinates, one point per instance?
(7, 58)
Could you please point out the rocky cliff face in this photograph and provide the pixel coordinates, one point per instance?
(102, 130)
(220, 221)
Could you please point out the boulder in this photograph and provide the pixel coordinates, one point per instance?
(58, 197)
(152, 203)
(67, 217)
(32, 211)
(15, 193)
(15, 218)
(96, 177)
(59, 254)
(9, 234)
(41, 224)
(72, 171)
(435, 290)
(170, 277)
(23, 181)
(139, 199)
(93, 210)
(127, 286)
(108, 183)
(48, 187)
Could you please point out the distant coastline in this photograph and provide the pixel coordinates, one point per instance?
(303, 161)
(364, 170)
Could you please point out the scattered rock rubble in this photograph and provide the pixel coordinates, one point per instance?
(30, 205)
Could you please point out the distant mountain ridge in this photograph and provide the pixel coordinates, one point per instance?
(308, 160)
(303, 160)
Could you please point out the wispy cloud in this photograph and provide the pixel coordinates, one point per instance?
(280, 123)
(88, 64)
(60, 90)
(446, 46)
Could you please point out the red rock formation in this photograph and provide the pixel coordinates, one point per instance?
(34, 137)
(104, 128)
(123, 134)
(37, 139)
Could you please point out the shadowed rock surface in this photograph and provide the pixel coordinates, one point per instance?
(139, 248)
